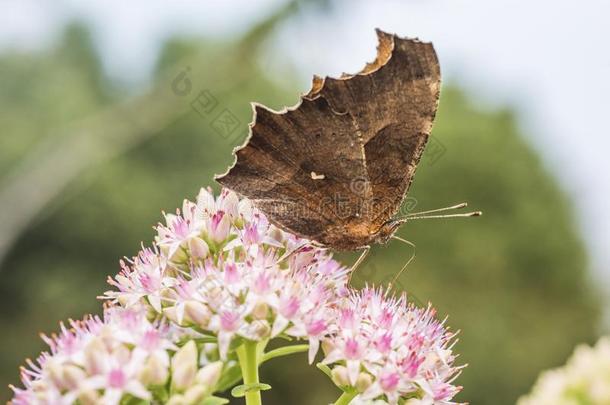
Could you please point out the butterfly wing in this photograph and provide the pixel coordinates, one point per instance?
(335, 167)
(394, 100)
(297, 167)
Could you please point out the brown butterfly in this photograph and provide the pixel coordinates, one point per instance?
(336, 167)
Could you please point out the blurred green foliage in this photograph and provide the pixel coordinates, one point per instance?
(513, 281)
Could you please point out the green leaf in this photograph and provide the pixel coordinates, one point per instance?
(230, 377)
(131, 400)
(160, 393)
(214, 401)
(205, 338)
(285, 337)
(241, 390)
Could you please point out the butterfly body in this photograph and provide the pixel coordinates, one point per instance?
(336, 167)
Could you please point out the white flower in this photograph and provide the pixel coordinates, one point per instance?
(584, 379)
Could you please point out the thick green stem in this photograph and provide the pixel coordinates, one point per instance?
(247, 354)
(346, 398)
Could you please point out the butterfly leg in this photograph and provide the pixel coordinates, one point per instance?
(288, 254)
(398, 238)
(358, 262)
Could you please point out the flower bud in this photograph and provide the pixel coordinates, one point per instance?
(95, 353)
(178, 254)
(327, 347)
(122, 353)
(206, 201)
(72, 376)
(184, 366)
(260, 310)
(261, 329)
(230, 204)
(55, 372)
(168, 294)
(197, 313)
(219, 226)
(177, 399)
(198, 248)
(154, 372)
(245, 207)
(124, 300)
(195, 394)
(210, 374)
(88, 396)
(363, 382)
(339, 376)
(172, 314)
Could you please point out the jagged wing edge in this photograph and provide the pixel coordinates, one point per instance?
(383, 58)
(384, 55)
(254, 105)
(385, 51)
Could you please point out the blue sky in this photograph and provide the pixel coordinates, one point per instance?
(548, 59)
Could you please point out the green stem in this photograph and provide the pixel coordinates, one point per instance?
(283, 351)
(247, 354)
(346, 398)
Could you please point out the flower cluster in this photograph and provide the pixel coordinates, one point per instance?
(585, 379)
(192, 315)
(120, 357)
(387, 348)
(221, 268)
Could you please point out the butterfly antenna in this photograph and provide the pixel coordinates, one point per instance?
(465, 215)
(423, 214)
(398, 238)
(453, 207)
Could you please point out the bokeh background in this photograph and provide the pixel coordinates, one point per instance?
(101, 128)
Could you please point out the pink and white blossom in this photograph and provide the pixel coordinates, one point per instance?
(107, 360)
(388, 349)
(220, 274)
(223, 269)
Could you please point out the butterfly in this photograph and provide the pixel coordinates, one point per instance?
(336, 167)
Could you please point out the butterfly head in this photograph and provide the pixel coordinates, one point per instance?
(385, 232)
(389, 228)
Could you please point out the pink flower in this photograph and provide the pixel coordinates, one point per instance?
(401, 349)
(181, 231)
(141, 279)
(222, 270)
(116, 380)
(219, 272)
(98, 360)
(219, 226)
(255, 283)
